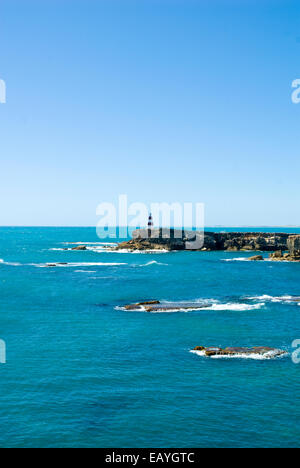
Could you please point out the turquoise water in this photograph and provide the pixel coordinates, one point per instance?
(81, 373)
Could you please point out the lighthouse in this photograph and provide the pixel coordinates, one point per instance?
(150, 224)
(150, 221)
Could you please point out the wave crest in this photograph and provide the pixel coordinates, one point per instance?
(255, 357)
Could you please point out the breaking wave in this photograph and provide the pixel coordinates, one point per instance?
(142, 252)
(238, 259)
(85, 271)
(276, 299)
(235, 307)
(2, 262)
(208, 305)
(154, 262)
(90, 243)
(256, 357)
(76, 265)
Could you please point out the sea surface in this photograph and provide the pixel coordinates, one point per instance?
(83, 372)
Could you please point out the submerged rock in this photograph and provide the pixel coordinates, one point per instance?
(157, 306)
(257, 258)
(260, 351)
(286, 257)
(141, 305)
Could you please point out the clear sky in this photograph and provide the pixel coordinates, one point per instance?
(163, 100)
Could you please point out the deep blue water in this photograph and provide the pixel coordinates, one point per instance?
(81, 373)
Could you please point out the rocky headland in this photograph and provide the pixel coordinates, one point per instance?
(171, 240)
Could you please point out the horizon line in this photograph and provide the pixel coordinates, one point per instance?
(164, 227)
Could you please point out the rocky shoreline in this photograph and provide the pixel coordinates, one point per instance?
(282, 247)
(173, 240)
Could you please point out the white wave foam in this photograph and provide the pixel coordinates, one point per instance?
(213, 306)
(142, 309)
(94, 248)
(238, 259)
(85, 271)
(216, 305)
(276, 299)
(2, 262)
(235, 307)
(94, 264)
(76, 265)
(256, 357)
(142, 252)
(90, 243)
(154, 262)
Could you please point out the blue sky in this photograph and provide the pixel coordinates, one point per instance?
(163, 100)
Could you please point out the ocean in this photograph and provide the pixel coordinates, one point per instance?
(83, 372)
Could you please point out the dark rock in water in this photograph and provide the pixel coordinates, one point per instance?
(263, 351)
(277, 255)
(173, 239)
(294, 250)
(141, 305)
(293, 245)
(157, 306)
(80, 247)
(212, 351)
(150, 303)
(257, 258)
(142, 245)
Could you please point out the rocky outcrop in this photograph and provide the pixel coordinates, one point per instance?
(286, 257)
(80, 247)
(293, 254)
(263, 351)
(141, 305)
(170, 240)
(294, 246)
(157, 306)
(144, 245)
(256, 258)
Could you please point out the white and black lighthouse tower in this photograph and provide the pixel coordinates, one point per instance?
(150, 225)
